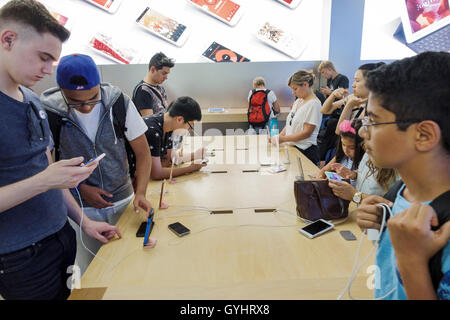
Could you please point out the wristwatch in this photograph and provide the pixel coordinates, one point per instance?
(357, 197)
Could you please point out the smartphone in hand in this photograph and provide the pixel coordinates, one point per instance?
(90, 162)
(333, 176)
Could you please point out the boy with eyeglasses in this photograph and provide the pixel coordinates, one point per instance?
(407, 128)
(164, 134)
(83, 116)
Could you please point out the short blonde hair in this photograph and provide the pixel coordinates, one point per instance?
(326, 64)
(302, 76)
(259, 81)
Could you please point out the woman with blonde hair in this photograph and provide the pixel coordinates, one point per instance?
(303, 122)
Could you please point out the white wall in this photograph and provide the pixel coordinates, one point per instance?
(211, 84)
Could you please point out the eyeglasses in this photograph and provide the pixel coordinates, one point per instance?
(191, 128)
(367, 122)
(80, 104)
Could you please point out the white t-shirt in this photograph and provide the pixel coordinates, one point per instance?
(134, 123)
(271, 98)
(307, 113)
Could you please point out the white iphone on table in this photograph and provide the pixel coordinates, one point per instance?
(316, 228)
(226, 11)
(163, 27)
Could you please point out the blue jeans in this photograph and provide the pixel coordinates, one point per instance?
(39, 272)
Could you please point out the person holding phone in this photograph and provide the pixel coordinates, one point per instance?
(163, 129)
(334, 79)
(303, 122)
(149, 96)
(349, 152)
(37, 243)
(351, 162)
(335, 94)
(83, 115)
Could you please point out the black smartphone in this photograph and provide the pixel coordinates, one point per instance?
(141, 231)
(179, 229)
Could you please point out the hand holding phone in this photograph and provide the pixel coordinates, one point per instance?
(90, 162)
(226, 11)
(333, 176)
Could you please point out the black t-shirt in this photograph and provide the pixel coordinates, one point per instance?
(146, 96)
(158, 141)
(340, 81)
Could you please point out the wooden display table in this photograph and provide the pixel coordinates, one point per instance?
(241, 255)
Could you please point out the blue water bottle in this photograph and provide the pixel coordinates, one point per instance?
(273, 125)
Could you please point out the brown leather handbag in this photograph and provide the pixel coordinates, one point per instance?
(315, 200)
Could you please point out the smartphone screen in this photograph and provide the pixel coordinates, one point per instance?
(162, 25)
(218, 53)
(273, 34)
(178, 228)
(109, 46)
(316, 227)
(104, 3)
(224, 9)
(333, 176)
(141, 231)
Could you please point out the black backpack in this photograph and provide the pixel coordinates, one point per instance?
(442, 207)
(258, 108)
(119, 114)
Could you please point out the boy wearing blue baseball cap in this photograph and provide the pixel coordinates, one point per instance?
(88, 117)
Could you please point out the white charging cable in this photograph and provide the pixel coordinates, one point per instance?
(81, 230)
(356, 269)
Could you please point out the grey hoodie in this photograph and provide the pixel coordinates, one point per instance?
(112, 172)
